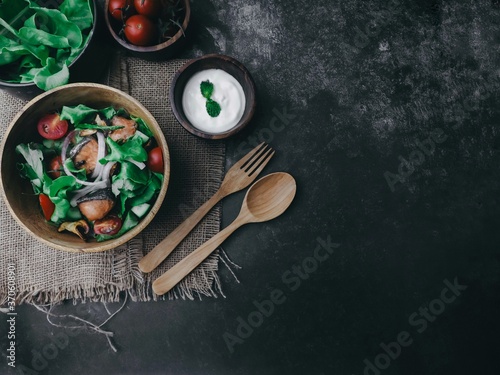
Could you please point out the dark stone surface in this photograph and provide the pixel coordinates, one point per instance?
(368, 88)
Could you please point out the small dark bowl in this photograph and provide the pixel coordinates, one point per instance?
(213, 61)
(89, 66)
(157, 52)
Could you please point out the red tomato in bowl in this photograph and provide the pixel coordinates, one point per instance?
(48, 207)
(55, 167)
(150, 8)
(155, 160)
(140, 30)
(52, 127)
(120, 9)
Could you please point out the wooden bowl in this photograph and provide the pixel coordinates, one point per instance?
(83, 68)
(160, 51)
(212, 61)
(18, 193)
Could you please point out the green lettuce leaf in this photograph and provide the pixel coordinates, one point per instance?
(78, 12)
(11, 51)
(13, 10)
(52, 75)
(55, 37)
(63, 211)
(142, 126)
(77, 114)
(33, 168)
(131, 149)
(62, 185)
(52, 28)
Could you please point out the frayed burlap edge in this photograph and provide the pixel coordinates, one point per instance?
(123, 258)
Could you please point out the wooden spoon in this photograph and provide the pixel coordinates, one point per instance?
(266, 199)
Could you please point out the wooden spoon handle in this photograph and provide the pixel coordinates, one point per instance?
(165, 247)
(175, 274)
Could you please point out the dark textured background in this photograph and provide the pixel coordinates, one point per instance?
(364, 84)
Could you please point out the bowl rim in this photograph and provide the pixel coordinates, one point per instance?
(91, 35)
(154, 48)
(143, 223)
(245, 119)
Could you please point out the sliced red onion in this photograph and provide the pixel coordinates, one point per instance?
(101, 152)
(106, 171)
(102, 181)
(65, 145)
(64, 151)
(138, 164)
(82, 182)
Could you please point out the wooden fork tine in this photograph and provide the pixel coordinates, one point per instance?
(258, 167)
(245, 160)
(259, 155)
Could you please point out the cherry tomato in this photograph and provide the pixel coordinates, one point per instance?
(109, 225)
(55, 167)
(120, 9)
(140, 30)
(150, 8)
(52, 127)
(47, 205)
(155, 160)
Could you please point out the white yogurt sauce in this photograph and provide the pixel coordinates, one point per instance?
(227, 92)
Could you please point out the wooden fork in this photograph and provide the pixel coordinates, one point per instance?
(241, 174)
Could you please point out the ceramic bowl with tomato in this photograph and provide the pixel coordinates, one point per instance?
(150, 29)
(81, 69)
(40, 121)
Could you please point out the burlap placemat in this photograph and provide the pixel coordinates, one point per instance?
(45, 275)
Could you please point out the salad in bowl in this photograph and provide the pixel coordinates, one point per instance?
(84, 167)
(96, 172)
